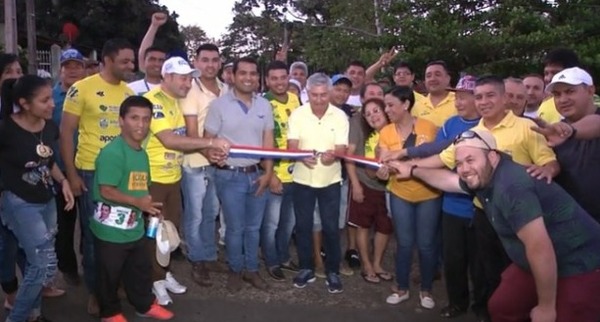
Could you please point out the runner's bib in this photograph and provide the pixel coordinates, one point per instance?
(115, 216)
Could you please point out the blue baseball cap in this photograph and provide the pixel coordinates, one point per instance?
(340, 78)
(71, 55)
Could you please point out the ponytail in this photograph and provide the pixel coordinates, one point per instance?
(13, 90)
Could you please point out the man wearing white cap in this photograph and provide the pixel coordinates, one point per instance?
(576, 140)
(165, 147)
(552, 242)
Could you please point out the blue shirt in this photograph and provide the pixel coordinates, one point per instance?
(456, 204)
(58, 95)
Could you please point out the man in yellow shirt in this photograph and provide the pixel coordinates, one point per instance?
(91, 108)
(324, 128)
(438, 105)
(278, 224)
(165, 146)
(201, 205)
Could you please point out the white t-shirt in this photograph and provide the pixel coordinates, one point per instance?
(354, 100)
(531, 114)
(140, 87)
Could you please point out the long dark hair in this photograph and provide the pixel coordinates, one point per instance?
(14, 90)
(366, 129)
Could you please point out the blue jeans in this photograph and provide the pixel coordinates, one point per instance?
(200, 211)
(243, 213)
(416, 222)
(86, 212)
(305, 199)
(277, 227)
(344, 186)
(34, 227)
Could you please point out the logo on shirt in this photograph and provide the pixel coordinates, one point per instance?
(261, 116)
(107, 138)
(73, 92)
(158, 115)
(138, 181)
(103, 123)
(100, 93)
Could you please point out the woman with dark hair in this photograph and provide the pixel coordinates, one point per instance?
(30, 178)
(367, 205)
(10, 68)
(415, 207)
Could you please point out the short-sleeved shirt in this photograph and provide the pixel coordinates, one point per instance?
(437, 114)
(514, 137)
(127, 169)
(281, 113)
(580, 172)
(456, 204)
(547, 111)
(59, 95)
(229, 118)
(141, 87)
(165, 164)
(319, 135)
(412, 190)
(26, 159)
(514, 199)
(96, 103)
(196, 104)
(366, 144)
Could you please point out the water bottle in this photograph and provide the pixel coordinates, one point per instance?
(152, 227)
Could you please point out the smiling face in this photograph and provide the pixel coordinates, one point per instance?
(395, 108)
(374, 115)
(154, 61)
(277, 81)
(245, 78)
(208, 62)
(490, 101)
(41, 104)
(437, 79)
(573, 101)
(475, 166)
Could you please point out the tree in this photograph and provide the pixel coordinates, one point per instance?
(193, 36)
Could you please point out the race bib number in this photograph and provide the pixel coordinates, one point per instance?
(116, 216)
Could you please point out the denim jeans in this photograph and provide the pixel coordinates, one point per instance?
(86, 212)
(200, 211)
(344, 186)
(416, 222)
(243, 213)
(277, 227)
(34, 227)
(328, 198)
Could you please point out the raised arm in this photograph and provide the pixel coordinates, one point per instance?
(441, 179)
(158, 19)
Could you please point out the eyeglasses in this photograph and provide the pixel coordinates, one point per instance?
(467, 135)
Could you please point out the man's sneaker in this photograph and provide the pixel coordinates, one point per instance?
(290, 266)
(200, 274)
(234, 282)
(157, 312)
(334, 283)
(173, 286)
(115, 318)
(304, 277)
(254, 279)
(352, 258)
(276, 273)
(160, 291)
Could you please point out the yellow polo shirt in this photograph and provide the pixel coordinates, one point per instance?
(196, 104)
(412, 190)
(165, 164)
(419, 97)
(514, 137)
(319, 135)
(438, 114)
(548, 112)
(96, 103)
(281, 113)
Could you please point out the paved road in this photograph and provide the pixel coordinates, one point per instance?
(359, 302)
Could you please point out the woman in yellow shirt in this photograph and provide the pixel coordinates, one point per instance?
(415, 207)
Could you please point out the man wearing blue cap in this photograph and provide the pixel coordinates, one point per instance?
(72, 69)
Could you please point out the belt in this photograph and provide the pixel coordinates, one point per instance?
(249, 169)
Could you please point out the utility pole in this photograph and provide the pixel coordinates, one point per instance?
(31, 37)
(10, 27)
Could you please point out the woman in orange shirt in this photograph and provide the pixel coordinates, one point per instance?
(415, 207)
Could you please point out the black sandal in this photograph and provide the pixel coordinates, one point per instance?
(452, 311)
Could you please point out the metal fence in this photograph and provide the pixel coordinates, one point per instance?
(44, 60)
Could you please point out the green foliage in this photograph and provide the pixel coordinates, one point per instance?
(477, 36)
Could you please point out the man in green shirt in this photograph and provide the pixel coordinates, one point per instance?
(121, 196)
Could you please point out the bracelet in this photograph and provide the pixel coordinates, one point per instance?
(412, 169)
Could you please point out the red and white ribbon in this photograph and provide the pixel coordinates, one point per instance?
(238, 151)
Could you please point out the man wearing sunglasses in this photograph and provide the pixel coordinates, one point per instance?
(552, 242)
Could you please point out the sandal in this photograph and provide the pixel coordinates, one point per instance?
(385, 276)
(370, 278)
(452, 311)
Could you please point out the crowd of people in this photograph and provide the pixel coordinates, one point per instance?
(491, 181)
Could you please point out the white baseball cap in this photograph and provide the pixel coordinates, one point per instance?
(571, 76)
(178, 65)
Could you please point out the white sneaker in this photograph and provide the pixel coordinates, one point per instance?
(396, 298)
(173, 286)
(160, 291)
(427, 301)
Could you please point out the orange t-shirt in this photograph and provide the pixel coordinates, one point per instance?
(412, 190)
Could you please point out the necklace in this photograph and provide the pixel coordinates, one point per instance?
(400, 132)
(42, 150)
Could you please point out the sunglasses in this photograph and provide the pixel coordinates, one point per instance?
(467, 135)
